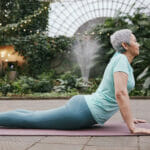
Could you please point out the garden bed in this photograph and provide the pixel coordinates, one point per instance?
(52, 95)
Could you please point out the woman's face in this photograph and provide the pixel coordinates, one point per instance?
(133, 48)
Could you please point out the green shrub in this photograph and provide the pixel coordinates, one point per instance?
(69, 82)
(50, 75)
(69, 79)
(5, 88)
(22, 85)
(65, 83)
(26, 85)
(42, 86)
(5, 85)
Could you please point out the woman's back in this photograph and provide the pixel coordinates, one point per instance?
(103, 103)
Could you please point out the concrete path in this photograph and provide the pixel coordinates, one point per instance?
(140, 109)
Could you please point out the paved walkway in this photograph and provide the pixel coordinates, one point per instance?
(140, 109)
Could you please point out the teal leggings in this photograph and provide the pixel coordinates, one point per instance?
(75, 114)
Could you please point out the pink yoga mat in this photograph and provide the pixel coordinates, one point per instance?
(109, 129)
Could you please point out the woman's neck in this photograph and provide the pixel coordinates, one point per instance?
(129, 57)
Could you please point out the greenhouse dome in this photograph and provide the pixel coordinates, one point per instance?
(67, 17)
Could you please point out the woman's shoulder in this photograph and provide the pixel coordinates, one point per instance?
(120, 62)
(118, 57)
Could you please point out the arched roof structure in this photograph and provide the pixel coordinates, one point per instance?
(66, 16)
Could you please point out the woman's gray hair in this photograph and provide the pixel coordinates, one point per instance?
(120, 36)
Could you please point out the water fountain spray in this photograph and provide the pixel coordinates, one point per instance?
(84, 49)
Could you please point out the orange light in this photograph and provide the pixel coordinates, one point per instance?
(3, 54)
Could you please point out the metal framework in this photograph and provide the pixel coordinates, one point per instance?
(66, 16)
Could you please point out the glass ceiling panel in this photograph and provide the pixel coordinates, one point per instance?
(66, 16)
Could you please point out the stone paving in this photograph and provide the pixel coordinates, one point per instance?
(140, 109)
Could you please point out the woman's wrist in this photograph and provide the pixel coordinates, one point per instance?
(132, 127)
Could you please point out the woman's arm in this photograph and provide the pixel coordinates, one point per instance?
(122, 97)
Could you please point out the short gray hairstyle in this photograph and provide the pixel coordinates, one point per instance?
(120, 36)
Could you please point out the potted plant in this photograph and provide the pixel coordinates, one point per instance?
(12, 73)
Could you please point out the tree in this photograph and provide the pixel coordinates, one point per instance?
(21, 18)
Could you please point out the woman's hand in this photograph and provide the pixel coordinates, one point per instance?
(140, 130)
(136, 130)
(136, 121)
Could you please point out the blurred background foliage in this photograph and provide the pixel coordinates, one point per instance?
(21, 18)
(48, 66)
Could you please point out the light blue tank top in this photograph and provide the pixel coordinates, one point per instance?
(102, 103)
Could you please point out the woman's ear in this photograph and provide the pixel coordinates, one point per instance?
(125, 45)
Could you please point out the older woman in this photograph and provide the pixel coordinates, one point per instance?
(118, 80)
(83, 111)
